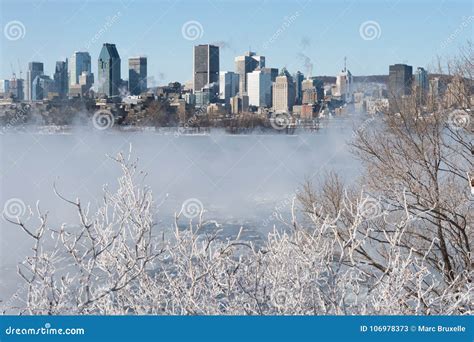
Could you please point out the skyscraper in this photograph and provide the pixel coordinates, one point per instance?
(205, 66)
(245, 64)
(228, 86)
(109, 71)
(421, 78)
(283, 92)
(78, 63)
(34, 69)
(40, 88)
(137, 75)
(259, 88)
(344, 85)
(399, 80)
(61, 79)
(312, 90)
(299, 77)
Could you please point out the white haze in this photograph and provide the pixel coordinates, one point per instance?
(240, 179)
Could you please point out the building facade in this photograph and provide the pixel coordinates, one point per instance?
(283, 92)
(34, 69)
(79, 62)
(41, 86)
(246, 64)
(205, 66)
(259, 88)
(109, 71)
(228, 86)
(61, 78)
(137, 75)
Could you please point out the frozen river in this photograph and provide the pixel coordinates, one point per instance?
(239, 179)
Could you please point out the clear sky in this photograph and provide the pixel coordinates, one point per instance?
(297, 34)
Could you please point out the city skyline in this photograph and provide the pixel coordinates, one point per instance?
(168, 39)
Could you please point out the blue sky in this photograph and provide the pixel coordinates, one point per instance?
(291, 33)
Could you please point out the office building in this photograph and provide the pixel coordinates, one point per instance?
(61, 78)
(299, 77)
(78, 63)
(344, 85)
(34, 69)
(312, 91)
(399, 80)
(228, 86)
(109, 71)
(137, 75)
(259, 88)
(41, 86)
(17, 86)
(205, 66)
(283, 92)
(246, 64)
(4, 87)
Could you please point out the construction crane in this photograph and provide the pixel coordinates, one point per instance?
(13, 71)
(19, 69)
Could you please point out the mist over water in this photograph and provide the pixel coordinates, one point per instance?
(239, 179)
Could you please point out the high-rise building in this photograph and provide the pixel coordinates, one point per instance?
(78, 63)
(421, 78)
(17, 88)
(299, 77)
(259, 88)
(41, 86)
(109, 71)
(4, 87)
(205, 66)
(283, 92)
(245, 64)
(312, 90)
(344, 85)
(137, 75)
(61, 78)
(399, 80)
(34, 69)
(228, 86)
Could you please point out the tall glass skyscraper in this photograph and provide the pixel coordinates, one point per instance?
(78, 63)
(109, 71)
(34, 69)
(61, 78)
